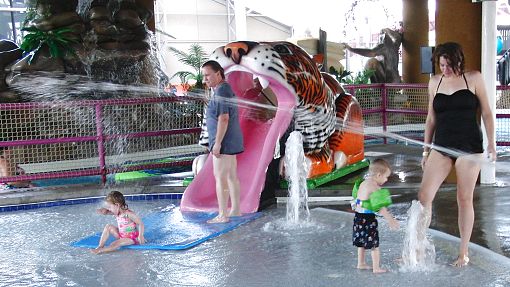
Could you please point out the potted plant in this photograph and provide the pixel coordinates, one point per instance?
(194, 58)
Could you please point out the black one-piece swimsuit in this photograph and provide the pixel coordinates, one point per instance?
(457, 126)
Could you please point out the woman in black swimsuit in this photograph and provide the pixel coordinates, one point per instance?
(455, 97)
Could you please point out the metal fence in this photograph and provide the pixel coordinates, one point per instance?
(55, 140)
(393, 111)
(68, 139)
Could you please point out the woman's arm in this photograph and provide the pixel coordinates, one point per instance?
(487, 115)
(430, 122)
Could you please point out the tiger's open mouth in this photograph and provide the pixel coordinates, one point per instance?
(260, 97)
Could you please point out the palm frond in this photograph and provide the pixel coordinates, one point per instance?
(184, 76)
(194, 57)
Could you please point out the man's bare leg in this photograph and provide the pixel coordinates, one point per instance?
(220, 168)
(234, 187)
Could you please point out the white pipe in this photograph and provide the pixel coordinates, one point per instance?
(488, 172)
(240, 17)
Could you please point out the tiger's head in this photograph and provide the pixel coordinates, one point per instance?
(292, 75)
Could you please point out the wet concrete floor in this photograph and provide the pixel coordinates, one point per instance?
(492, 223)
(491, 202)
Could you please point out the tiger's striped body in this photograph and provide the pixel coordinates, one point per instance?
(329, 119)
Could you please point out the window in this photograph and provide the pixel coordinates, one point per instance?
(12, 14)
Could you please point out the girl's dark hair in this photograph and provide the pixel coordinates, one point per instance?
(116, 197)
(215, 66)
(453, 54)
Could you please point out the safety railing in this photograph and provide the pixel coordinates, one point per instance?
(81, 138)
(398, 111)
(392, 110)
(68, 139)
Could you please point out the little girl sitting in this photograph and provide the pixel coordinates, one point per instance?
(130, 227)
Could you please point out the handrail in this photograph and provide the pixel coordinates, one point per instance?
(39, 112)
(388, 107)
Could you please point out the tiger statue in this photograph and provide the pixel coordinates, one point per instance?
(329, 119)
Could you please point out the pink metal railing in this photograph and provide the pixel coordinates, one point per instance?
(379, 102)
(100, 137)
(502, 106)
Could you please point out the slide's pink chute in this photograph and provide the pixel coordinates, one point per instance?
(260, 139)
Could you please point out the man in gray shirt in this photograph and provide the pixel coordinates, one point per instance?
(225, 140)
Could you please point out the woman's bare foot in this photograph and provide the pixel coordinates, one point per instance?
(461, 261)
(218, 219)
(364, 267)
(98, 250)
(379, 270)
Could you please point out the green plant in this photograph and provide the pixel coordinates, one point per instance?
(58, 41)
(339, 76)
(359, 78)
(194, 58)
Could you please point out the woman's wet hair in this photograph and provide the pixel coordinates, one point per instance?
(116, 197)
(453, 54)
(215, 66)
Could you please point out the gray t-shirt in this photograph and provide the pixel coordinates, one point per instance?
(224, 101)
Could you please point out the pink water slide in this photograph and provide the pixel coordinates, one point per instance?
(260, 139)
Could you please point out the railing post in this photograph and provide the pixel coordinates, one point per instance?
(100, 141)
(352, 91)
(384, 96)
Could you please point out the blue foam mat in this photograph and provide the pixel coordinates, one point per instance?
(176, 230)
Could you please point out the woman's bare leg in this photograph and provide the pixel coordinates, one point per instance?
(436, 170)
(467, 170)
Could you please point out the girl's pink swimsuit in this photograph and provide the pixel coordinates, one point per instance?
(127, 227)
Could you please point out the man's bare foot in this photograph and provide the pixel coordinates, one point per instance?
(98, 250)
(218, 219)
(461, 261)
(364, 267)
(379, 270)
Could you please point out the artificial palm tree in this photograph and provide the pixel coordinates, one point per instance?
(194, 58)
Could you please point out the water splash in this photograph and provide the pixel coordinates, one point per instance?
(296, 171)
(418, 253)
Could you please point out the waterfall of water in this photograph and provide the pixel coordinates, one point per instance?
(418, 253)
(296, 171)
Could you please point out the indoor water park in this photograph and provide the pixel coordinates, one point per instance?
(254, 143)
